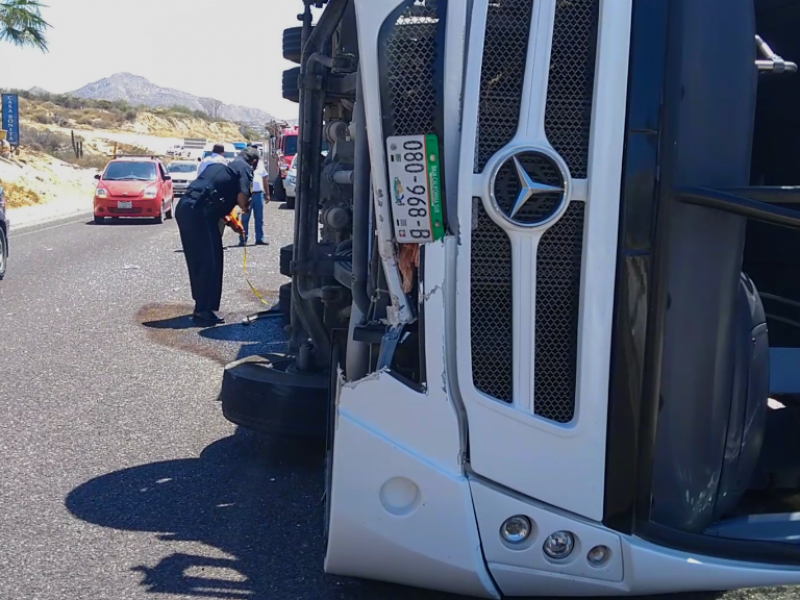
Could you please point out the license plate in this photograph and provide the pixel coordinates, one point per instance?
(124, 204)
(415, 188)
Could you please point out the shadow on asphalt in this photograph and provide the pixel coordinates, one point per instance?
(239, 332)
(255, 499)
(123, 221)
(258, 500)
(182, 322)
(171, 325)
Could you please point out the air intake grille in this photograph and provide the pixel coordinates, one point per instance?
(491, 318)
(411, 66)
(508, 25)
(568, 114)
(558, 279)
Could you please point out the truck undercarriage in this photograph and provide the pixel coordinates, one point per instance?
(586, 381)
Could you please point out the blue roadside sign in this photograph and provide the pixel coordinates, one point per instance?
(11, 118)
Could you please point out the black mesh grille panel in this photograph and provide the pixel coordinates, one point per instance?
(413, 56)
(491, 317)
(508, 24)
(558, 280)
(568, 113)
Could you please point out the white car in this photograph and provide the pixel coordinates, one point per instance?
(183, 172)
(290, 183)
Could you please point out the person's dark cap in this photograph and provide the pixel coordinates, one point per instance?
(250, 154)
(218, 149)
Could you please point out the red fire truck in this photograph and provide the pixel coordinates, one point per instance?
(287, 148)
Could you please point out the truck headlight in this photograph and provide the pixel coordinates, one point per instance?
(100, 193)
(150, 193)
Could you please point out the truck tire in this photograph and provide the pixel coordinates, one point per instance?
(291, 79)
(285, 299)
(292, 44)
(279, 192)
(287, 254)
(266, 394)
(3, 253)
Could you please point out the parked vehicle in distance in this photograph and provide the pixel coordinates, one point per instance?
(230, 150)
(260, 147)
(133, 187)
(183, 172)
(287, 148)
(290, 182)
(174, 150)
(3, 234)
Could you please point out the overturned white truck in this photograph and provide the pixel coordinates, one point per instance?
(528, 293)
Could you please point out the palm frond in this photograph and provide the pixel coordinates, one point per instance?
(21, 23)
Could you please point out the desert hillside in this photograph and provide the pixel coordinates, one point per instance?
(47, 168)
(35, 177)
(65, 112)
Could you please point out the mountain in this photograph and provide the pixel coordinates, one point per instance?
(38, 91)
(139, 91)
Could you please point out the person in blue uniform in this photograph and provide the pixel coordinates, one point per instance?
(209, 198)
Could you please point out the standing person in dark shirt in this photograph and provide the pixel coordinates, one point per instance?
(209, 198)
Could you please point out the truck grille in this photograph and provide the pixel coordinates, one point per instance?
(560, 251)
(491, 316)
(508, 25)
(568, 114)
(558, 280)
(412, 67)
(568, 120)
(412, 41)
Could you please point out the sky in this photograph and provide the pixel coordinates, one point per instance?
(230, 50)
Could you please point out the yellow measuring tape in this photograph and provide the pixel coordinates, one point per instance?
(247, 279)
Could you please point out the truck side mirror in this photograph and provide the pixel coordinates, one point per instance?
(97, 176)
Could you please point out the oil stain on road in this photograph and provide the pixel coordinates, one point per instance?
(171, 325)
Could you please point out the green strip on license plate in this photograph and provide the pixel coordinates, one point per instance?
(434, 186)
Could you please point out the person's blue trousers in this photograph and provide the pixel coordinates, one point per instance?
(256, 208)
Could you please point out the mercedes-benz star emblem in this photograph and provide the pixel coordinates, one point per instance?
(529, 188)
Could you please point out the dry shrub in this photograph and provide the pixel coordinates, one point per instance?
(131, 149)
(88, 161)
(50, 142)
(18, 195)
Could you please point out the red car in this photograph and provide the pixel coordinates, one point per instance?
(133, 187)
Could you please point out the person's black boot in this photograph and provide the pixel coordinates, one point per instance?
(208, 317)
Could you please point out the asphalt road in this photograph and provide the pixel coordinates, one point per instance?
(119, 477)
